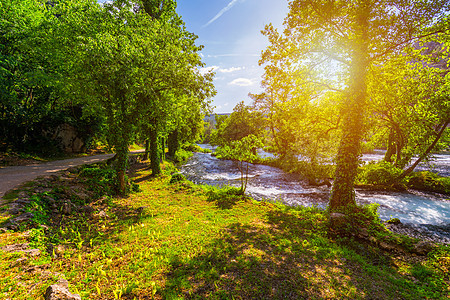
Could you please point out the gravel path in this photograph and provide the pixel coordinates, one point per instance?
(12, 177)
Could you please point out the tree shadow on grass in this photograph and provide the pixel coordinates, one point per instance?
(226, 197)
(287, 257)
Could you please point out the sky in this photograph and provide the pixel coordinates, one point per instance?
(230, 31)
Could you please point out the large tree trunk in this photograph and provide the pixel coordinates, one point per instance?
(173, 143)
(122, 159)
(343, 194)
(155, 156)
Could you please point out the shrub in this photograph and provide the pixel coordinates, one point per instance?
(102, 179)
(177, 177)
(429, 181)
(378, 173)
(182, 155)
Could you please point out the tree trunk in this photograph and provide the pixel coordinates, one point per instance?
(426, 152)
(162, 149)
(122, 159)
(147, 149)
(390, 147)
(155, 157)
(173, 143)
(343, 194)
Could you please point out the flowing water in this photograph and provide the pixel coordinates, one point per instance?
(424, 214)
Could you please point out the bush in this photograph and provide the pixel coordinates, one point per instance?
(182, 155)
(177, 177)
(378, 173)
(365, 216)
(428, 181)
(102, 179)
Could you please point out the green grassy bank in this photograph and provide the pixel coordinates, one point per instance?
(181, 241)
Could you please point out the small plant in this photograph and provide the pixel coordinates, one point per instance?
(177, 177)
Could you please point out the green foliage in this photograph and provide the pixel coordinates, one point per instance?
(195, 148)
(429, 181)
(366, 216)
(225, 197)
(38, 206)
(38, 239)
(241, 123)
(325, 55)
(177, 177)
(182, 155)
(102, 179)
(378, 173)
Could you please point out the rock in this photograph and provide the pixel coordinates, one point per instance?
(373, 239)
(15, 210)
(53, 178)
(87, 209)
(60, 291)
(66, 208)
(59, 250)
(363, 234)
(140, 210)
(394, 221)
(338, 220)
(73, 170)
(15, 247)
(21, 248)
(387, 246)
(23, 194)
(22, 201)
(26, 217)
(423, 247)
(45, 227)
(18, 262)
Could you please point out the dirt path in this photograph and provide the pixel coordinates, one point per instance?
(12, 177)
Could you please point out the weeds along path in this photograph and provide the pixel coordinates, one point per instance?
(12, 177)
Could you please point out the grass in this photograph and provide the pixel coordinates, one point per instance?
(182, 241)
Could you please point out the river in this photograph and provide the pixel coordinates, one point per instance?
(422, 214)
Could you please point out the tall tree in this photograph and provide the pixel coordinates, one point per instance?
(349, 37)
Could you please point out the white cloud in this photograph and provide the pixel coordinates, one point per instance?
(203, 71)
(230, 70)
(242, 82)
(221, 12)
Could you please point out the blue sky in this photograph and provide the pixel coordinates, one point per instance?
(230, 31)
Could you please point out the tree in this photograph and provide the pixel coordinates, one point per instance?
(349, 37)
(411, 104)
(241, 123)
(243, 150)
(30, 80)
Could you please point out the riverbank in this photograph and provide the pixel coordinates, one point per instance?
(182, 241)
